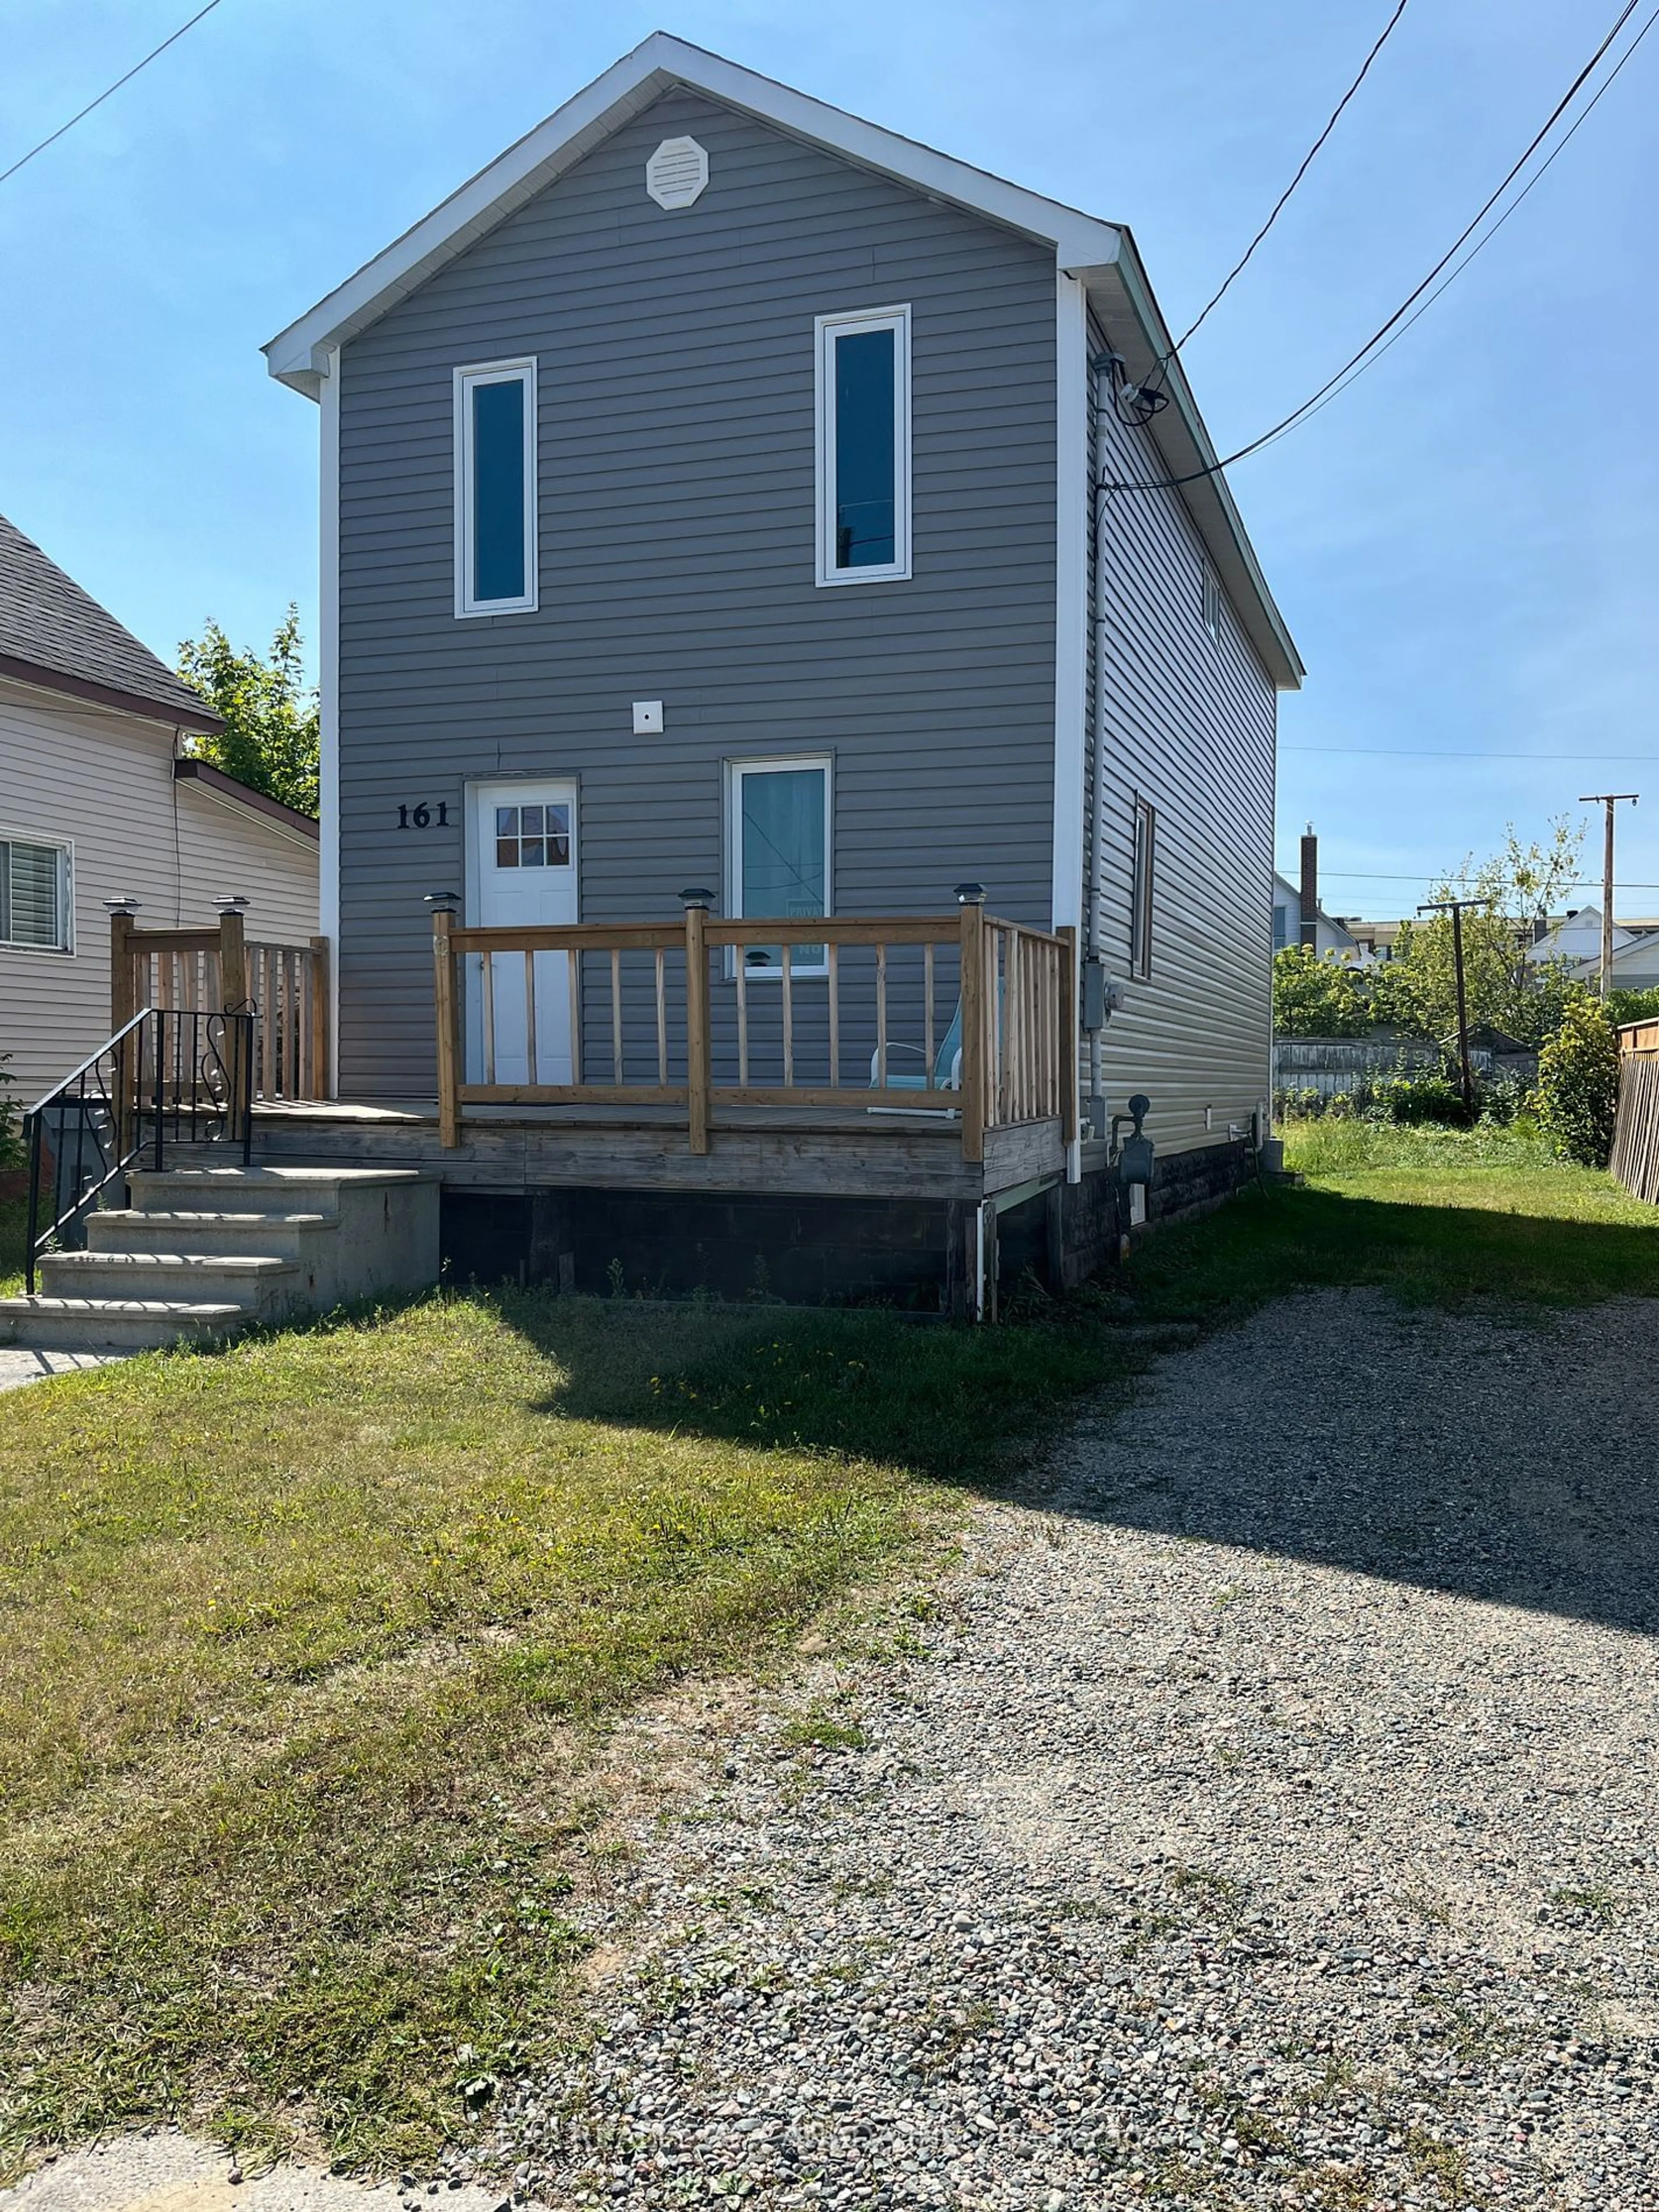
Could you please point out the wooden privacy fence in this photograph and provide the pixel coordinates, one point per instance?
(1635, 1159)
(961, 1015)
(221, 969)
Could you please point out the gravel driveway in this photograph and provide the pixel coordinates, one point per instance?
(1269, 1820)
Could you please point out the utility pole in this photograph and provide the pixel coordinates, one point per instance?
(1455, 907)
(1609, 800)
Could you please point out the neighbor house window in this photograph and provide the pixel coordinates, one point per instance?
(1212, 603)
(1281, 927)
(864, 447)
(495, 488)
(1140, 906)
(778, 848)
(34, 894)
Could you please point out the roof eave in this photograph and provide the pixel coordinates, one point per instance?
(1123, 298)
(173, 714)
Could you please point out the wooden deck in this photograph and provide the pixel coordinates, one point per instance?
(754, 1150)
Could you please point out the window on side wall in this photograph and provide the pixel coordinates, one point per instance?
(1141, 891)
(864, 447)
(778, 834)
(1281, 927)
(1212, 603)
(495, 487)
(34, 896)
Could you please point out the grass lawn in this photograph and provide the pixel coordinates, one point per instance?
(304, 1642)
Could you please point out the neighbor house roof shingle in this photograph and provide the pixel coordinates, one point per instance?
(54, 633)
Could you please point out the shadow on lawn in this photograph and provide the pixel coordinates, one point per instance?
(1474, 1433)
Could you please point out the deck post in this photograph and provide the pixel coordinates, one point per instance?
(446, 1007)
(971, 899)
(698, 1070)
(122, 1005)
(1070, 1015)
(234, 999)
(321, 1026)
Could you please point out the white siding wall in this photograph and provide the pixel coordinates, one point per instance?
(1190, 727)
(102, 782)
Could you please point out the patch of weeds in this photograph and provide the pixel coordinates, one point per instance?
(819, 1727)
(1596, 1903)
(1229, 1593)
(1217, 1894)
(1445, 2163)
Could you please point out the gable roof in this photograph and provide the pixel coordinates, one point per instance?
(1103, 255)
(54, 634)
(218, 785)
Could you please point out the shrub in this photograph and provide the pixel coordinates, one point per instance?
(11, 1138)
(1577, 1093)
(1416, 1098)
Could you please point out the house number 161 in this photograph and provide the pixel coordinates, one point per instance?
(422, 817)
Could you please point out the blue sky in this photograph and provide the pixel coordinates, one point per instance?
(1464, 545)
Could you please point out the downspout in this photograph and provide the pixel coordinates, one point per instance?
(1095, 1117)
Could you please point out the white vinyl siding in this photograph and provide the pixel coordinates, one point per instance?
(35, 902)
(864, 447)
(495, 488)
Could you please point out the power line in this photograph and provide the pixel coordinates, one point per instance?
(1395, 876)
(1279, 203)
(1453, 752)
(108, 90)
(1482, 244)
(1298, 414)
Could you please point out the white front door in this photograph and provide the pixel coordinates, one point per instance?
(521, 873)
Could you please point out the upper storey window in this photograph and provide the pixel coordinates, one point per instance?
(495, 487)
(864, 447)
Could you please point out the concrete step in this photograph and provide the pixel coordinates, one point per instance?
(53, 1324)
(284, 1235)
(328, 1191)
(261, 1285)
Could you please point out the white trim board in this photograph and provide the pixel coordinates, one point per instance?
(328, 701)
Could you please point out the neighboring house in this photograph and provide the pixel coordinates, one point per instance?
(1576, 940)
(1333, 938)
(707, 506)
(97, 803)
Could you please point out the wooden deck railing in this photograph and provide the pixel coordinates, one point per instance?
(222, 970)
(712, 1013)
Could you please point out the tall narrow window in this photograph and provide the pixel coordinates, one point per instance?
(1212, 603)
(778, 849)
(495, 488)
(1140, 906)
(864, 447)
(34, 905)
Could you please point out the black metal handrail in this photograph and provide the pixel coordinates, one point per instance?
(170, 1076)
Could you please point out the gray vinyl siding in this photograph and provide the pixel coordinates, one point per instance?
(1190, 727)
(676, 358)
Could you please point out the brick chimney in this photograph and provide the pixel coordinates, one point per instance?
(1310, 889)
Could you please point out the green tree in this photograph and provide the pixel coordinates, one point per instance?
(1522, 886)
(270, 740)
(1577, 1089)
(1316, 997)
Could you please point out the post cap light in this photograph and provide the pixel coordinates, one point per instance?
(970, 894)
(697, 895)
(444, 902)
(126, 904)
(228, 903)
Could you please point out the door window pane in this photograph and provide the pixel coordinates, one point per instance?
(865, 395)
(781, 855)
(532, 836)
(498, 473)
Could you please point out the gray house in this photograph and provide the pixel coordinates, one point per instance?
(788, 653)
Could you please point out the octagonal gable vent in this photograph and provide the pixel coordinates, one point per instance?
(676, 173)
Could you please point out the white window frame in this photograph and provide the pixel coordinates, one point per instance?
(1143, 882)
(1210, 603)
(773, 764)
(523, 371)
(64, 849)
(828, 329)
